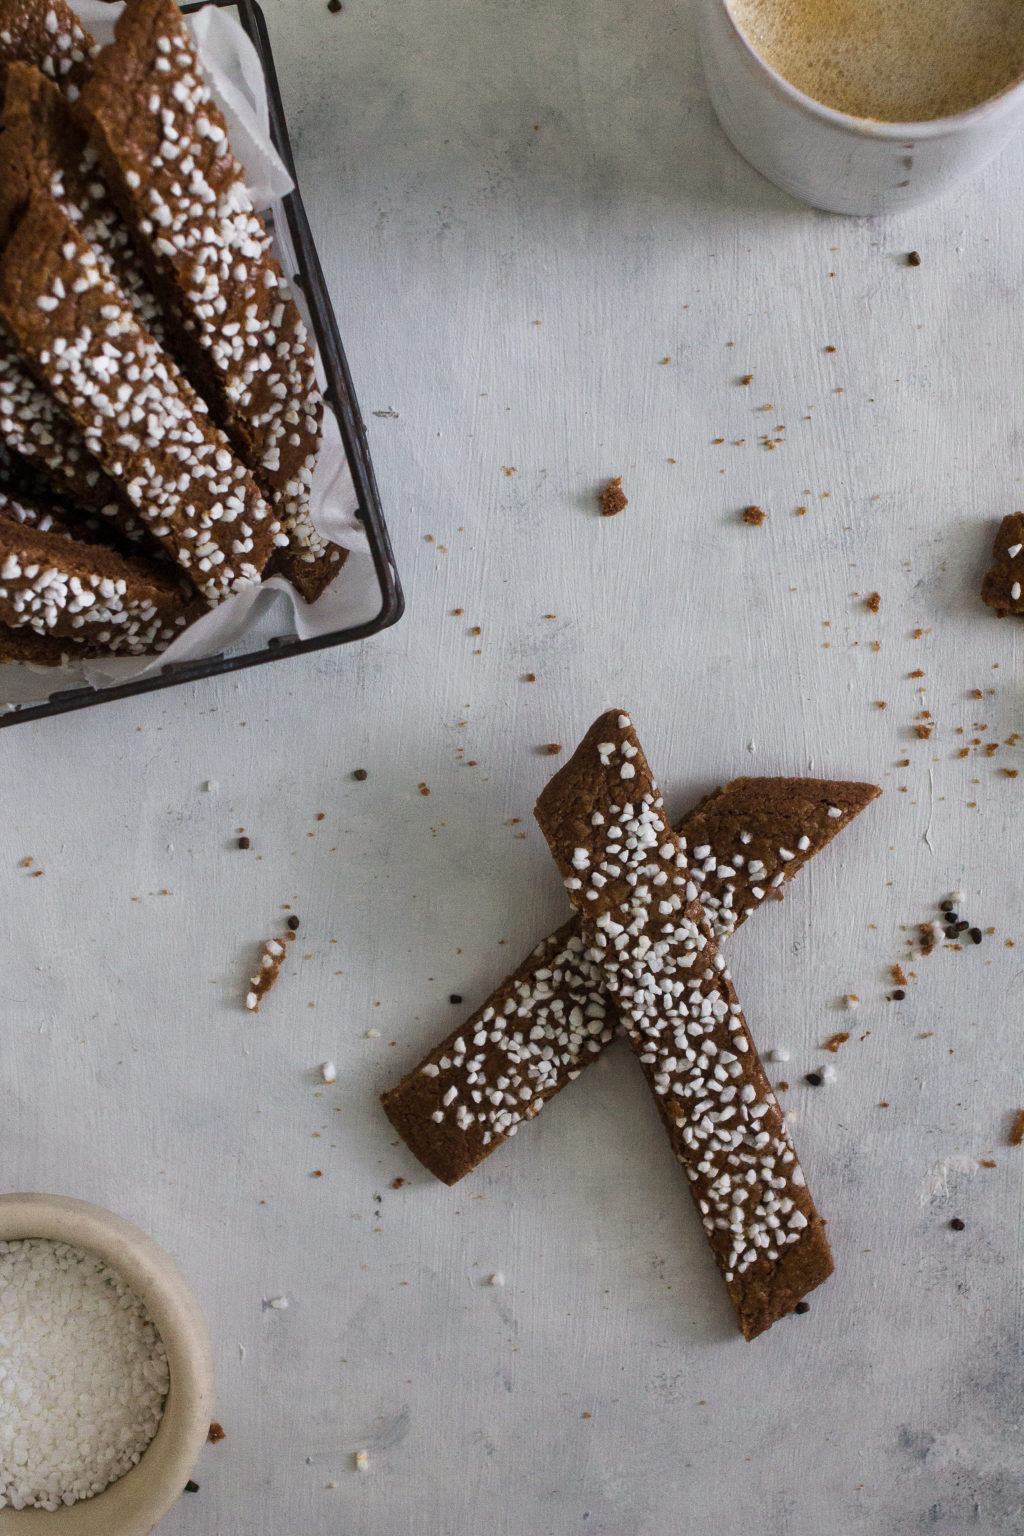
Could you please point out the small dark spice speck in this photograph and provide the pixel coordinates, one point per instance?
(456, 997)
(898, 995)
(815, 1079)
(334, 6)
(191, 1487)
(243, 842)
(293, 922)
(360, 774)
(957, 1224)
(802, 1307)
(951, 916)
(976, 935)
(913, 259)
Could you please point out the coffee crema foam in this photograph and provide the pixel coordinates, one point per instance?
(897, 61)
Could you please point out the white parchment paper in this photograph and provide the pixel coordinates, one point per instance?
(235, 75)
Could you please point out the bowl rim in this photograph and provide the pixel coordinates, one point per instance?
(136, 1503)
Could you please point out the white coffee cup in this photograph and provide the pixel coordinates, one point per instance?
(831, 160)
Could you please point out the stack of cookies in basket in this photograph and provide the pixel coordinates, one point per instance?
(160, 417)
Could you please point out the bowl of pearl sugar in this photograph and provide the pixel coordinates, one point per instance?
(106, 1372)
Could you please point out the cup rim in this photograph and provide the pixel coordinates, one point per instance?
(135, 1503)
(928, 128)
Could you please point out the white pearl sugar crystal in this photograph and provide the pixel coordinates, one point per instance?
(83, 1375)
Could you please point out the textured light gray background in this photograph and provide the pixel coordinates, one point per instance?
(472, 168)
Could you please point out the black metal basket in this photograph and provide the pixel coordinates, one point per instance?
(340, 397)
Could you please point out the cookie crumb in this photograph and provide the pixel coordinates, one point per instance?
(552, 749)
(217, 1432)
(873, 602)
(360, 775)
(613, 498)
(1016, 1136)
(753, 516)
(835, 1041)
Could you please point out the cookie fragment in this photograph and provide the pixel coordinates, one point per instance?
(271, 959)
(626, 873)
(1003, 586)
(613, 498)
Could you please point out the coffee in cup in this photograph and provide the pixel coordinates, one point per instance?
(896, 61)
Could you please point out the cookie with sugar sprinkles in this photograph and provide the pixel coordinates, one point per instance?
(57, 587)
(163, 146)
(35, 429)
(628, 876)
(536, 1032)
(1003, 587)
(140, 418)
(552, 1017)
(44, 148)
(48, 34)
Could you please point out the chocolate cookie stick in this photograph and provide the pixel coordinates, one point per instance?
(551, 1017)
(139, 416)
(151, 117)
(55, 586)
(627, 874)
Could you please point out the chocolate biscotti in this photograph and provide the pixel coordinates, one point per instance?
(56, 587)
(163, 146)
(139, 417)
(552, 1016)
(627, 874)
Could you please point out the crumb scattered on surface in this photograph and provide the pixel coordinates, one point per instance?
(613, 498)
(1016, 1136)
(217, 1432)
(753, 516)
(913, 259)
(552, 749)
(873, 602)
(835, 1041)
(423, 789)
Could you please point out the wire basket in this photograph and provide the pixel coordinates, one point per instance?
(339, 396)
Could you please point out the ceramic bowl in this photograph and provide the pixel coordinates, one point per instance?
(137, 1502)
